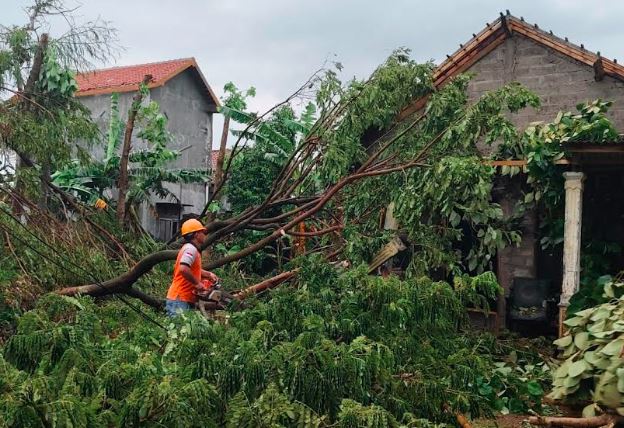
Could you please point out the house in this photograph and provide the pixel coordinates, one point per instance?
(563, 74)
(188, 102)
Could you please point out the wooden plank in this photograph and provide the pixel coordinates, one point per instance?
(521, 162)
(413, 108)
(576, 53)
(468, 61)
(506, 28)
(472, 44)
(611, 68)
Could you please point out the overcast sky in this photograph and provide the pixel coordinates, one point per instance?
(275, 45)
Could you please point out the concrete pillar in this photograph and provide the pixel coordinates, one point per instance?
(571, 241)
(390, 223)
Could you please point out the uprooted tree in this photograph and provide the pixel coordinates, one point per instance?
(357, 158)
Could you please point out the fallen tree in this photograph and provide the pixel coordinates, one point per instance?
(346, 349)
(355, 141)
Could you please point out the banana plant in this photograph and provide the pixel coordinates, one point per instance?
(93, 180)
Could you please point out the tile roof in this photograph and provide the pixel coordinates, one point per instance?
(128, 78)
(495, 34)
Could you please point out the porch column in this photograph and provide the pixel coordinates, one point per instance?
(571, 241)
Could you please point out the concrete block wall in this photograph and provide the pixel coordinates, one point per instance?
(558, 80)
(183, 101)
(561, 83)
(515, 262)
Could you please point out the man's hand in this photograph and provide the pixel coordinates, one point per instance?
(200, 288)
(212, 277)
(622, 352)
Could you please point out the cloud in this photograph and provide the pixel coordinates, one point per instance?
(275, 45)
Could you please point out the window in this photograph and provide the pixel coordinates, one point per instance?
(168, 220)
(167, 228)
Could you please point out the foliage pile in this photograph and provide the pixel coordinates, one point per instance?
(441, 205)
(47, 251)
(594, 368)
(343, 349)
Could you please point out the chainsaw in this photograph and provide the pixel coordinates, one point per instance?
(213, 297)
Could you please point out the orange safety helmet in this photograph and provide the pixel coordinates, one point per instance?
(192, 226)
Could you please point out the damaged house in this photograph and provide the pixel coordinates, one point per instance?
(562, 74)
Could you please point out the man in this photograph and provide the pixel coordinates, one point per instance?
(188, 273)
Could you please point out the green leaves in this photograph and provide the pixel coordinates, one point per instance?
(255, 167)
(542, 145)
(340, 349)
(593, 365)
(535, 389)
(577, 368)
(149, 168)
(56, 80)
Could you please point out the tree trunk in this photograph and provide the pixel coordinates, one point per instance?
(152, 301)
(266, 284)
(596, 421)
(218, 172)
(45, 190)
(26, 104)
(35, 71)
(259, 217)
(122, 183)
(105, 288)
(244, 221)
(122, 283)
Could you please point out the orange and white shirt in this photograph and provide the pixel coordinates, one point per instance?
(181, 288)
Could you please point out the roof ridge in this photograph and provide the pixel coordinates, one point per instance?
(551, 34)
(504, 26)
(497, 32)
(118, 67)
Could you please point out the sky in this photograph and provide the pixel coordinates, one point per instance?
(275, 45)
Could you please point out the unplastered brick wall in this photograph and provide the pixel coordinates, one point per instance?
(515, 262)
(559, 81)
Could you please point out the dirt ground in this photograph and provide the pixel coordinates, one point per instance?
(520, 421)
(503, 421)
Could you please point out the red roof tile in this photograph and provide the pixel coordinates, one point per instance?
(128, 78)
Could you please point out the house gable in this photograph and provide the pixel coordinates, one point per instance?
(560, 81)
(562, 75)
(185, 100)
(516, 39)
(128, 78)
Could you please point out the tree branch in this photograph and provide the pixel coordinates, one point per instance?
(122, 183)
(596, 421)
(316, 232)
